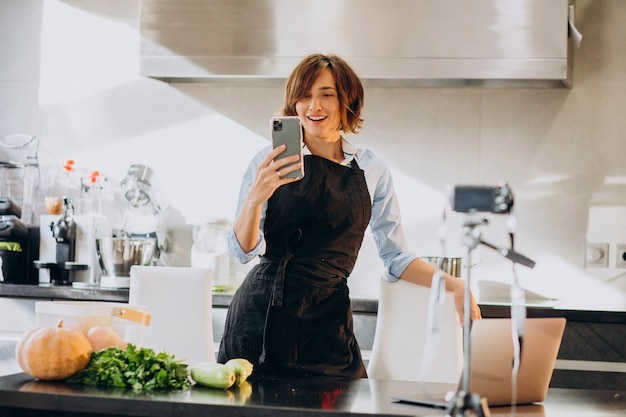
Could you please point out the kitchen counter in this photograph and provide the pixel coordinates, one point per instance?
(20, 395)
(591, 314)
(44, 291)
(595, 314)
(592, 353)
(63, 292)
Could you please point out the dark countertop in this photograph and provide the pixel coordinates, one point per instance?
(20, 395)
(63, 292)
(610, 314)
(220, 299)
(571, 314)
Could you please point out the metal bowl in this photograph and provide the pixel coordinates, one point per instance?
(116, 254)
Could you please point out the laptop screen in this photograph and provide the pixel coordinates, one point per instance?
(491, 359)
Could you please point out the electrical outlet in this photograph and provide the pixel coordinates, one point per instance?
(597, 255)
(620, 256)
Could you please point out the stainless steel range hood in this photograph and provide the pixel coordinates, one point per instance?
(389, 42)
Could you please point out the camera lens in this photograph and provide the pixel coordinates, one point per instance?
(278, 125)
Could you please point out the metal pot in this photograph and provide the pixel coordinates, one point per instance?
(118, 255)
(451, 266)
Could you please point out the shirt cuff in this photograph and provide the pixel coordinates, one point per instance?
(238, 253)
(397, 266)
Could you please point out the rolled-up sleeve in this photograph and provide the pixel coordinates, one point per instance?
(233, 244)
(238, 253)
(386, 222)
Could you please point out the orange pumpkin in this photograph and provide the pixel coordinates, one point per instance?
(53, 353)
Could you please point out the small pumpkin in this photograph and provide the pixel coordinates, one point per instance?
(53, 353)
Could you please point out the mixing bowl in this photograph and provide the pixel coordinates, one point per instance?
(117, 254)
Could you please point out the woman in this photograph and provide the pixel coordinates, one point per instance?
(292, 313)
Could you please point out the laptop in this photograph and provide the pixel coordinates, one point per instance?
(491, 363)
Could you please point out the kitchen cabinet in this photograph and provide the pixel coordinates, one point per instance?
(18, 315)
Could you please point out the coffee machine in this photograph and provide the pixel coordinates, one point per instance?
(67, 250)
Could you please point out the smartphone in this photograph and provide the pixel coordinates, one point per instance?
(288, 130)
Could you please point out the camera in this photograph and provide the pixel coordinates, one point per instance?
(277, 125)
(477, 198)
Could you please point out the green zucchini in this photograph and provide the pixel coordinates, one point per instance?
(213, 375)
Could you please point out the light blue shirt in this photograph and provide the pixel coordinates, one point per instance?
(385, 223)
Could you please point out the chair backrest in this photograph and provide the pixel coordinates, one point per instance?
(401, 334)
(179, 301)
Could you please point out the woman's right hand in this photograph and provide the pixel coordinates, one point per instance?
(270, 175)
(268, 179)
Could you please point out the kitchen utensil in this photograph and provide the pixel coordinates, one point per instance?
(19, 149)
(210, 250)
(117, 254)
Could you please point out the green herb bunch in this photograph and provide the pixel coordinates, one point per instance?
(138, 368)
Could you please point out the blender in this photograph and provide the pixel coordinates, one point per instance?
(19, 239)
(210, 250)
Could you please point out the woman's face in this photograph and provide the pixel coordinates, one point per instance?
(319, 109)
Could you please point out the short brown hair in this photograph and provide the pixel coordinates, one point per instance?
(349, 88)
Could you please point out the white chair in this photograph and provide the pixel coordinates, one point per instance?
(401, 334)
(179, 301)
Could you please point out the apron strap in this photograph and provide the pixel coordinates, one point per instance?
(278, 291)
(279, 281)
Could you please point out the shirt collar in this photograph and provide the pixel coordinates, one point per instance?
(350, 151)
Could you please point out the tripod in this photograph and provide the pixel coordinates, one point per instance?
(464, 400)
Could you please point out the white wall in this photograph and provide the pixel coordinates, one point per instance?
(69, 74)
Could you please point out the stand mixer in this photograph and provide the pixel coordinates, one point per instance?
(136, 243)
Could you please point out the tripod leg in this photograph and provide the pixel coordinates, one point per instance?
(478, 403)
(461, 405)
(484, 407)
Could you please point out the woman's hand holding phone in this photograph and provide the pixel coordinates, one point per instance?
(272, 174)
(282, 165)
(268, 178)
(287, 165)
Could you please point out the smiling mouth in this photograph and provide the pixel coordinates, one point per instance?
(316, 118)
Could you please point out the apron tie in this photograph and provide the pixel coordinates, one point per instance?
(279, 281)
(278, 291)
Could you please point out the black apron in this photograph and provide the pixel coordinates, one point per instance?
(292, 314)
